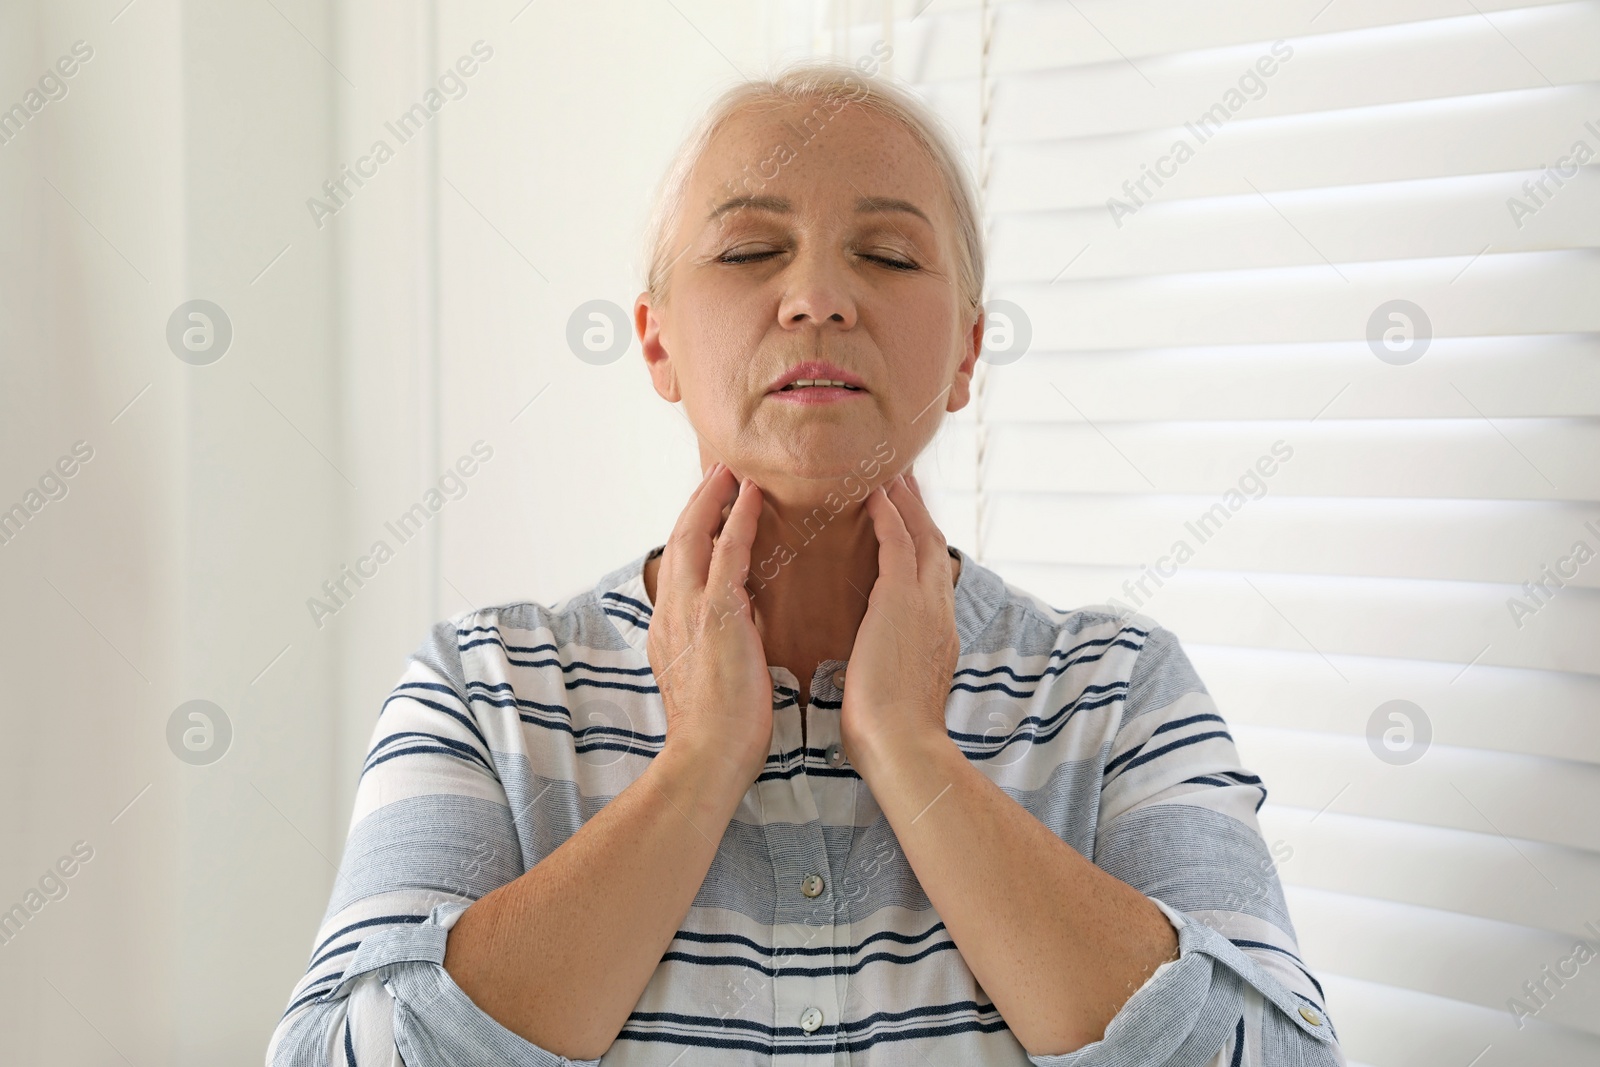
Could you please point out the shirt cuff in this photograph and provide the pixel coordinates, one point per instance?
(435, 1023)
(1186, 1010)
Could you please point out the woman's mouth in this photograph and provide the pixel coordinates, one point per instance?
(815, 391)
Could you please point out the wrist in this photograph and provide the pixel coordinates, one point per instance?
(703, 776)
(881, 754)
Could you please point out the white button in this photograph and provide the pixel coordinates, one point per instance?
(811, 885)
(838, 680)
(810, 1019)
(1310, 1016)
(835, 755)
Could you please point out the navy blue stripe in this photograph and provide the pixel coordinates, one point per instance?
(375, 921)
(498, 639)
(634, 619)
(349, 1049)
(1053, 670)
(847, 950)
(644, 608)
(432, 687)
(559, 710)
(552, 661)
(811, 1044)
(1224, 783)
(1116, 689)
(1174, 725)
(1051, 734)
(1298, 962)
(649, 745)
(460, 746)
(984, 672)
(1181, 743)
(1238, 1043)
(808, 972)
(454, 714)
(418, 751)
(325, 957)
(318, 995)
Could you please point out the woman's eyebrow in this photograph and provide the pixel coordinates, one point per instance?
(778, 205)
(889, 203)
(775, 204)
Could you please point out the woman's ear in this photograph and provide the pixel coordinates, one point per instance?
(656, 357)
(961, 385)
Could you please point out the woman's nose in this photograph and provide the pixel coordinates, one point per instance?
(818, 291)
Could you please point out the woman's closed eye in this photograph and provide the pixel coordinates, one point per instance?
(746, 257)
(890, 261)
(737, 258)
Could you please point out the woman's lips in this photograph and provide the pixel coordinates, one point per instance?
(816, 394)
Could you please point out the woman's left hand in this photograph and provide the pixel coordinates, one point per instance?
(905, 652)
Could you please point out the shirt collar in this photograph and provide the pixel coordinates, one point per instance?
(979, 592)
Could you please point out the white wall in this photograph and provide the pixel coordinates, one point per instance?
(367, 354)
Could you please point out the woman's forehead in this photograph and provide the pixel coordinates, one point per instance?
(800, 152)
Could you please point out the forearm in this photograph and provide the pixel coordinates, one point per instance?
(1057, 943)
(561, 955)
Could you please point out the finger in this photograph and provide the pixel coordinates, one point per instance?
(897, 552)
(730, 557)
(669, 553)
(692, 537)
(933, 557)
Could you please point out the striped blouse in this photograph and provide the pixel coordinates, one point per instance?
(512, 726)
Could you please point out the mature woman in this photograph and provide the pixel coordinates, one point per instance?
(805, 784)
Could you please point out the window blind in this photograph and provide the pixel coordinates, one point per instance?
(1366, 489)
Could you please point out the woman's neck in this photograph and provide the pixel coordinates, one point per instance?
(810, 575)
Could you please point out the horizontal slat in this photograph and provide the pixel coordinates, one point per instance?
(1457, 540)
(1497, 293)
(1475, 961)
(1359, 223)
(1549, 375)
(1463, 56)
(1289, 690)
(1495, 133)
(1387, 1026)
(1450, 622)
(1524, 798)
(1038, 34)
(1428, 866)
(1465, 458)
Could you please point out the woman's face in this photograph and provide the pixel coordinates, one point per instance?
(837, 249)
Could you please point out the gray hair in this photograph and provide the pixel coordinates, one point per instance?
(827, 81)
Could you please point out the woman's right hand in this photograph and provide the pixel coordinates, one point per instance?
(703, 647)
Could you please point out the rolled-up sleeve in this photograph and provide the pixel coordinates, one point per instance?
(431, 832)
(1178, 823)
